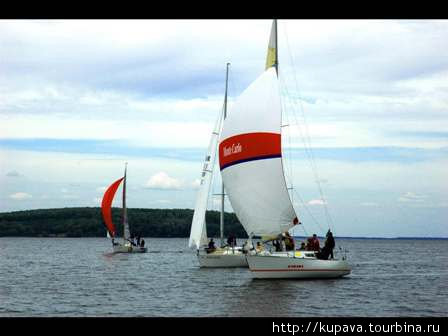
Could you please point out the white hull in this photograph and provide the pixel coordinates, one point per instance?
(287, 265)
(226, 257)
(129, 249)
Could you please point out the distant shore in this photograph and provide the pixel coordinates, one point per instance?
(88, 222)
(155, 223)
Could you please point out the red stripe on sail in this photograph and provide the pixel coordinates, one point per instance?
(106, 206)
(248, 147)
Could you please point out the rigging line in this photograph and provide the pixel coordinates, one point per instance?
(295, 192)
(310, 156)
(289, 152)
(303, 133)
(309, 212)
(298, 125)
(305, 145)
(293, 102)
(309, 152)
(329, 218)
(311, 215)
(304, 230)
(291, 178)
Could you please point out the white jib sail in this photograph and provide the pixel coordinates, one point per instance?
(198, 233)
(250, 159)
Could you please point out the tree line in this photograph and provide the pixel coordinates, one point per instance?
(88, 222)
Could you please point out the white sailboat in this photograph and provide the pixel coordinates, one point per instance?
(250, 158)
(224, 256)
(128, 246)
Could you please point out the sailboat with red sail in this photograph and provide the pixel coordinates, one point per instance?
(128, 245)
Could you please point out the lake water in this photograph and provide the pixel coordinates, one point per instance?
(76, 277)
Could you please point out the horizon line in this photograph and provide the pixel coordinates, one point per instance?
(299, 236)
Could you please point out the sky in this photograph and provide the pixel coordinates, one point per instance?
(79, 98)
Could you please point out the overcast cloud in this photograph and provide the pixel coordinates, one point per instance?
(85, 96)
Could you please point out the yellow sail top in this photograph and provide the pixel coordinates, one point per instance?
(271, 56)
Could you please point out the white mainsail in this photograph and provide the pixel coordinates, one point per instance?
(198, 233)
(250, 159)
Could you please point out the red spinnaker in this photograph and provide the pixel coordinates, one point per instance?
(106, 206)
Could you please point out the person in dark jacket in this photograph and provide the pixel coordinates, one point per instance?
(330, 243)
(231, 240)
(309, 244)
(289, 242)
(132, 241)
(327, 250)
(316, 245)
(211, 246)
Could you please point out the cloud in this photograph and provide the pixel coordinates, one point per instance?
(163, 201)
(153, 79)
(101, 189)
(412, 197)
(70, 197)
(20, 196)
(317, 202)
(108, 135)
(141, 56)
(420, 134)
(372, 204)
(196, 184)
(177, 150)
(370, 154)
(13, 173)
(161, 180)
(83, 92)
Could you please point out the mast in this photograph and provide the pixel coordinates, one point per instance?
(221, 221)
(125, 214)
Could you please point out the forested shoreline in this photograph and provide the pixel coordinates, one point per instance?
(88, 222)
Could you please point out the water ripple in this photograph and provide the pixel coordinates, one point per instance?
(79, 277)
